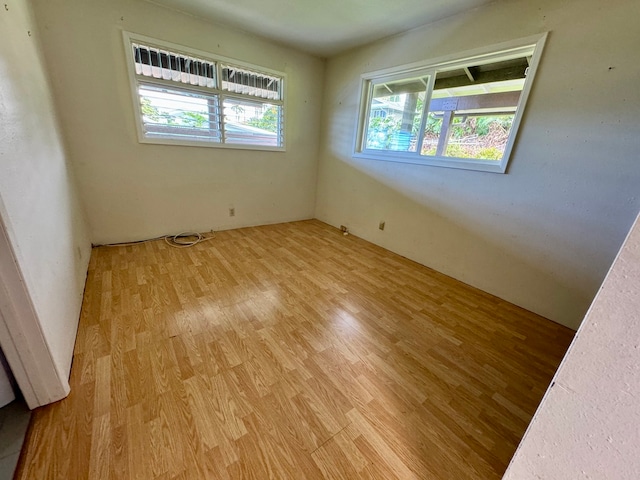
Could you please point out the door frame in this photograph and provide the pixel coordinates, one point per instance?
(21, 336)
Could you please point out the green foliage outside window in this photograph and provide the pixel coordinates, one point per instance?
(168, 117)
(268, 121)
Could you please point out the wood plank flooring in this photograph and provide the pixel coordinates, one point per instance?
(290, 351)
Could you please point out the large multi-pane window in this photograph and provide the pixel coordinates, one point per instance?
(187, 97)
(460, 113)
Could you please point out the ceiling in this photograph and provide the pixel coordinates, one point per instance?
(322, 27)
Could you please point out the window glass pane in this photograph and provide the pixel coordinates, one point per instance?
(472, 110)
(186, 97)
(178, 114)
(252, 123)
(395, 114)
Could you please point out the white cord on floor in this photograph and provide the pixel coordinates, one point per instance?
(178, 240)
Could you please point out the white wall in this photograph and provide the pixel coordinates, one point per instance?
(38, 201)
(544, 235)
(587, 426)
(135, 191)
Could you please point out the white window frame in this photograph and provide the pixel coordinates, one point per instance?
(430, 68)
(136, 80)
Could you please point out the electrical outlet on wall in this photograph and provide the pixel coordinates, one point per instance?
(381, 225)
(232, 212)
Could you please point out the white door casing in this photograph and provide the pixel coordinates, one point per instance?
(21, 336)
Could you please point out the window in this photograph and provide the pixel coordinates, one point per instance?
(186, 97)
(459, 113)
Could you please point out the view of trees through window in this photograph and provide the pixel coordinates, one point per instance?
(395, 118)
(268, 120)
(395, 121)
(174, 110)
(470, 113)
(482, 137)
(163, 108)
(188, 97)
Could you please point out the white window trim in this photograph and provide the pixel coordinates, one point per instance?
(429, 67)
(130, 38)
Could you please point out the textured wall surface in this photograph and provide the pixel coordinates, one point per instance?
(38, 200)
(544, 235)
(133, 191)
(588, 424)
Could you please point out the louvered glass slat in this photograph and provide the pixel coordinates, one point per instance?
(158, 63)
(168, 113)
(244, 107)
(254, 84)
(252, 123)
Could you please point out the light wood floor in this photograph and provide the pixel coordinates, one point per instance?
(290, 351)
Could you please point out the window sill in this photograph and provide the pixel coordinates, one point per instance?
(492, 166)
(204, 144)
